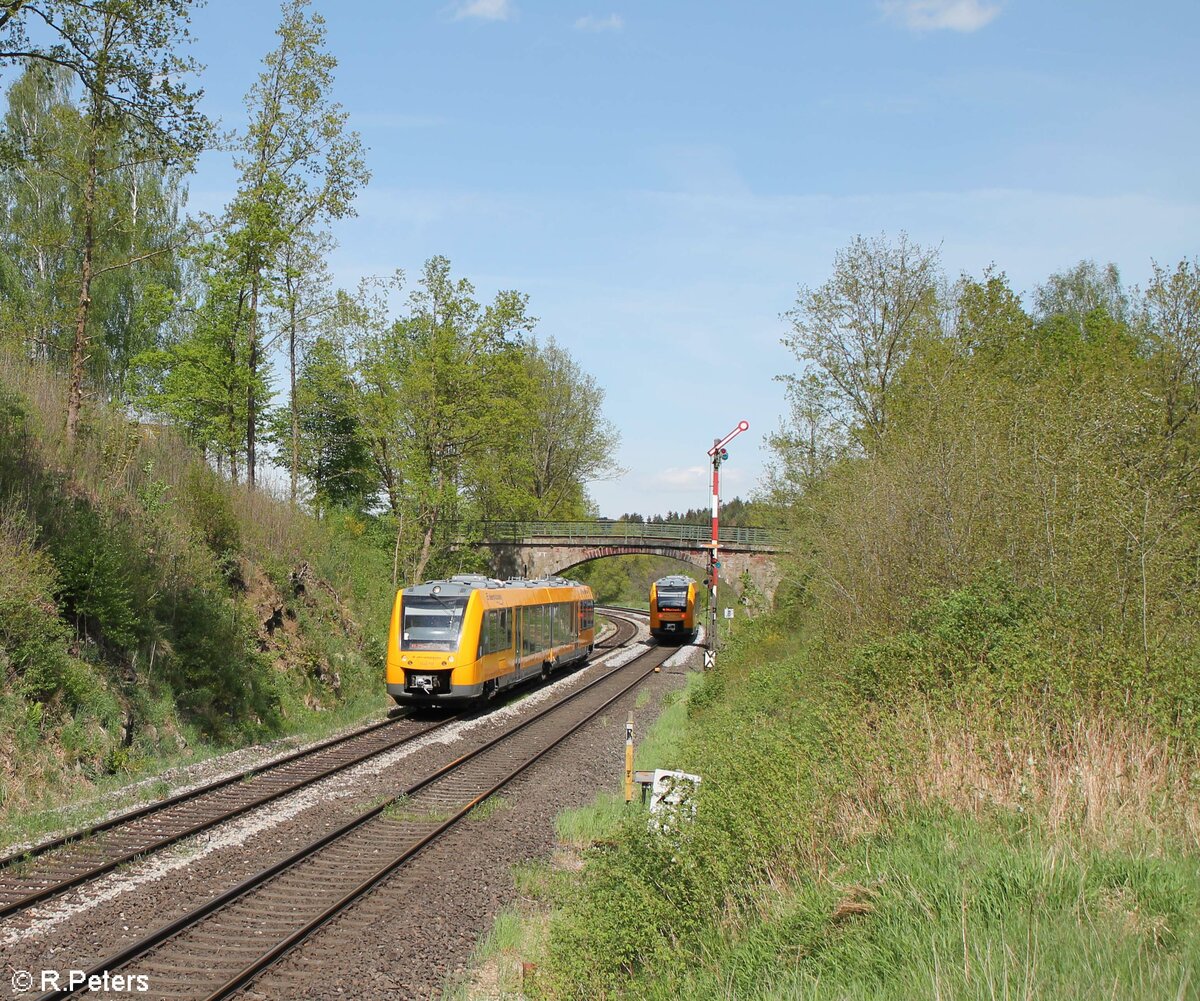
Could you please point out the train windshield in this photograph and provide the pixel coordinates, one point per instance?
(671, 597)
(431, 623)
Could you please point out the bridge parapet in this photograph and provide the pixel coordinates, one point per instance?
(583, 532)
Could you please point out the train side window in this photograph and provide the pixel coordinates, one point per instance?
(491, 634)
(529, 628)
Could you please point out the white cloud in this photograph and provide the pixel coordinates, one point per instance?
(485, 10)
(932, 15)
(674, 477)
(614, 22)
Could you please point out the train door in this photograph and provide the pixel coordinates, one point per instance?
(518, 614)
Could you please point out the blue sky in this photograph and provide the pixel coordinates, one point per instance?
(660, 176)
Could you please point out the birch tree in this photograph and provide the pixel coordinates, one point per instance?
(138, 108)
(300, 167)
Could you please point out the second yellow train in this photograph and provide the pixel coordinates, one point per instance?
(673, 608)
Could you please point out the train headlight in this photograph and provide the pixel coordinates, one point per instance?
(451, 659)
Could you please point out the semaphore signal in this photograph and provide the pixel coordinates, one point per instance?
(718, 453)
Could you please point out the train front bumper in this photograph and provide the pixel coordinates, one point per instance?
(410, 693)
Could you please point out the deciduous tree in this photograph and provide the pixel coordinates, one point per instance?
(436, 397)
(858, 327)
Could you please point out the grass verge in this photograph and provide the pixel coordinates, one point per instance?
(981, 837)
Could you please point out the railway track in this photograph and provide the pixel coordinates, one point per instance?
(89, 853)
(218, 948)
(71, 860)
(625, 626)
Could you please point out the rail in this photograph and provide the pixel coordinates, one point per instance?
(630, 531)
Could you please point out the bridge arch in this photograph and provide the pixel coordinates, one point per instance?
(542, 549)
(569, 561)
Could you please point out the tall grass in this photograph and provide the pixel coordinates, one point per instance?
(942, 905)
(1116, 781)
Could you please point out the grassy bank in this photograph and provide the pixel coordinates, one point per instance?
(932, 814)
(151, 613)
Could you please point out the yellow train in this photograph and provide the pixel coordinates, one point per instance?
(470, 636)
(673, 608)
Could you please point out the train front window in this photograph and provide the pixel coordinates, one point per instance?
(432, 623)
(671, 597)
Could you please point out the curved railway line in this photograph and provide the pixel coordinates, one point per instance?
(218, 948)
(51, 867)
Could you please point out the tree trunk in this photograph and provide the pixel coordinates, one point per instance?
(295, 409)
(396, 554)
(426, 548)
(252, 358)
(427, 541)
(80, 346)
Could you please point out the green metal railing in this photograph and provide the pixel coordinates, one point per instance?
(616, 531)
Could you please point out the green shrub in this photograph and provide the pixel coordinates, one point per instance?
(989, 636)
(993, 641)
(94, 580)
(765, 743)
(214, 668)
(206, 500)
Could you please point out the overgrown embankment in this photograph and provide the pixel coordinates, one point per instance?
(147, 607)
(926, 818)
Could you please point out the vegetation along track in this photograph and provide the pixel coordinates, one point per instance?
(218, 948)
(75, 858)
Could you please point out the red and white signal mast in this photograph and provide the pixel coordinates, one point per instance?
(718, 453)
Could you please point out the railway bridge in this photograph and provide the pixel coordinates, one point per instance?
(539, 548)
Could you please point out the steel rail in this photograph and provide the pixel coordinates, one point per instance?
(618, 620)
(165, 841)
(161, 935)
(161, 804)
